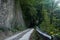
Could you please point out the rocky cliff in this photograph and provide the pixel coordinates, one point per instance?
(10, 13)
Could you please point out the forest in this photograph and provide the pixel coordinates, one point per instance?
(45, 14)
(19, 15)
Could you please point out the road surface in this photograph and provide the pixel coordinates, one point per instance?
(25, 35)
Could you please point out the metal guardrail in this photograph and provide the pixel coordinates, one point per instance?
(46, 36)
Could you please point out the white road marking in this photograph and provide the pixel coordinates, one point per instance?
(27, 35)
(12, 37)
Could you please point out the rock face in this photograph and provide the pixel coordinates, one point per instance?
(10, 13)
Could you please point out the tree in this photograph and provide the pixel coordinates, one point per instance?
(31, 11)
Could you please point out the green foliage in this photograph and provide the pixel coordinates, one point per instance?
(1, 29)
(45, 26)
(35, 36)
(17, 28)
(30, 10)
(43, 11)
(49, 28)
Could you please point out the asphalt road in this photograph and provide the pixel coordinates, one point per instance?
(24, 35)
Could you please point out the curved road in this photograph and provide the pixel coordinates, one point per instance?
(25, 35)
